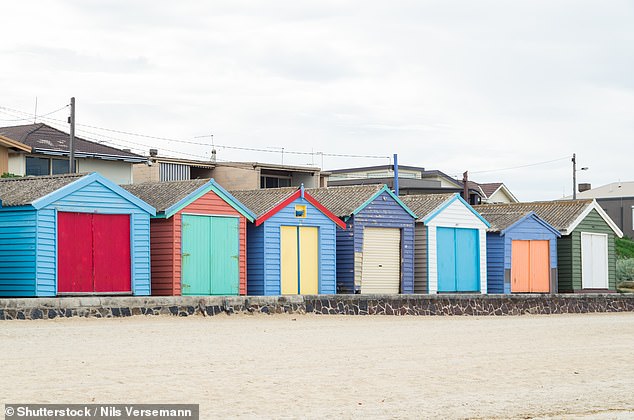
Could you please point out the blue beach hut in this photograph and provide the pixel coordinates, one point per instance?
(291, 245)
(521, 252)
(375, 253)
(72, 234)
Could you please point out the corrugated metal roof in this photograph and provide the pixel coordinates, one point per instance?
(425, 204)
(163, 195)
(42, 138)
(262, 200)
(342, 201)
(559, 214)
(26, 190)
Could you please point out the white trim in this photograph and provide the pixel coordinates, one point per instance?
(607, 270)
(593, 206)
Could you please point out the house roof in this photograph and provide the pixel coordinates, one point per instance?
(501, 220)
(13, 144)
(45, 139)
(347, 200)
(168, 197)
(40, 191)
(375, 168)
(26, 190)
(613, 190)
(490, 188)
(563, 215)
(262, 200)
(425, 204)
(162, 195)
(271, 166)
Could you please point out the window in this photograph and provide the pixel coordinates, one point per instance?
(300, 211)
(45, 166)
(274, 182)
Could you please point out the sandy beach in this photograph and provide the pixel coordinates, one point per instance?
(311, 366)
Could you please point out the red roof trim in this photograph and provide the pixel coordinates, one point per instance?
(277, 208)
(325, 211)
(310, 199)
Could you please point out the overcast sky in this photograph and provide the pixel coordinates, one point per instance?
(448, 85)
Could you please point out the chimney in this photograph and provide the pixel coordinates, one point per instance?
(584, 187)
(153, 152)
(126, 150)
(465, 186)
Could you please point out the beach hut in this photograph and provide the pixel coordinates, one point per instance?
(198, 238)
(72, 234)
(521, 252)
(375, 253)
(291, 245)
(586, 258)
(449, 245)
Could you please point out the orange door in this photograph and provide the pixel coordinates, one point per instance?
(540, 267)
(520, 266)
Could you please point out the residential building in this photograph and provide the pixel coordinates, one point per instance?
(617, 199)
(6, 145)
(49, 154)
(493, 192)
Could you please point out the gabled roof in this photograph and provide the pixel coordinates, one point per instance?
(346, 201)
(45, 139)
(266, 202)
(13, 144)
(428, 206)
(490, 188)
(169, 197)
(501, 221)
(563, 215)
(39, 191)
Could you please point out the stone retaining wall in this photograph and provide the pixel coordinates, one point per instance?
(109, 307)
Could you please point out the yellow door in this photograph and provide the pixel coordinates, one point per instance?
(289, 261)
(309, 260)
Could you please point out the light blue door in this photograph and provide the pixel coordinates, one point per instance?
(446, 248)
(458, 260)
(467, 260)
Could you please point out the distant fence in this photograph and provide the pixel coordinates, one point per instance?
(113, 307)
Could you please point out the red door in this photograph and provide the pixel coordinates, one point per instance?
(93, 253)
(111, 253)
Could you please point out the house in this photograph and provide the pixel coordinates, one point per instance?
(449, 244)
(493, 192)
(198, 238)
(6, 145)
(291, 246)
(521, 252)
(617, 199)
(231, 175)
(72, 234)
(49, 154)
(586, 259)
(375, 253)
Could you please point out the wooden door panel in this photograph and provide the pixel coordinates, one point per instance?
(520, 266)
(540, 266)
(74, 253)
(112, 261)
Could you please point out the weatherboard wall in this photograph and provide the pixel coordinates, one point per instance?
(264, 249)
(28, 239)
(382, 212)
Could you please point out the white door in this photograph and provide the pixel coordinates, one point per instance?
(381, 267)
(594, 260)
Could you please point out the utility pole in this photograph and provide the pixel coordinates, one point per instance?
(465, 186)
(574, 176)
(71, 120)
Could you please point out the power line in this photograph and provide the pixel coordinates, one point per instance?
(520, 166)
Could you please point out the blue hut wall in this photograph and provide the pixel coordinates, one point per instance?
(382, 212)
(495, 263)
(29, 238)
(345, 258)
(498, 263)
(18, 242)
(263, 250)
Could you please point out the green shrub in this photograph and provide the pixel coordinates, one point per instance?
(625, 270)
(8, 175)
(624, 248)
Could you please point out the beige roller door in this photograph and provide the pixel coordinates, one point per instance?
(381, 261)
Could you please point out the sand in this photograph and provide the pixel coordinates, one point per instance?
(565, 366)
